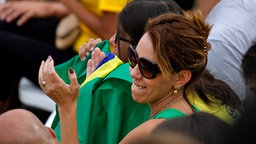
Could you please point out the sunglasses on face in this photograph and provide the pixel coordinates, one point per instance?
(147, 68)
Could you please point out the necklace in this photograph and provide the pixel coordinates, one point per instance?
(164, 106)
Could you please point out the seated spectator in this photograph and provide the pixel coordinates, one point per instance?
(231, 36)
(222, 108)
(20, 126)
(174, 75)
(105, 103)
(249, 70)
(243, 128)
(28, 32)
(217, 98)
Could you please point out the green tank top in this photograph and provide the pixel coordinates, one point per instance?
(171, 113)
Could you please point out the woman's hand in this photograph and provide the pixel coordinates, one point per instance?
(64, 95)
(88, 47)
(97, 57)
(22, 11)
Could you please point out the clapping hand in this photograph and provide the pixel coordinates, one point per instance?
(62, 94)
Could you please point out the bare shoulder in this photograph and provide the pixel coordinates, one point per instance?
(142, 130)
(151, 124)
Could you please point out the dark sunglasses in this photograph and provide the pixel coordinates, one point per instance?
(147, 68)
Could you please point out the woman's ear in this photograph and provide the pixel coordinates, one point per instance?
(183, 77)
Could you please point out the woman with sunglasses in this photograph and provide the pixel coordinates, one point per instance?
(105, 109)
(130, 29)
(169, 57)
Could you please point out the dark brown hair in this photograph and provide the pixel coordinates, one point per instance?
(180, 43)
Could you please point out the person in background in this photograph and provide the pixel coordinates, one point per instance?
(198, 128)
(217, 98)
(20, 126)
(231, 36)
(185, 4)
(243, 127)
(28, 32)
(149, 68)
(249, 70)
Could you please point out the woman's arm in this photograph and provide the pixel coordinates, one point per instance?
(25, 10)
(65, 97)
(103, 26)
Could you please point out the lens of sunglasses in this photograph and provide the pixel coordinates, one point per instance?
(132, 56)
(148, 69)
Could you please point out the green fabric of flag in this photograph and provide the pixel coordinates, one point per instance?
(106, 111)
(78, 65)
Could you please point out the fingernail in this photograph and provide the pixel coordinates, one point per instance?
(19, 23)
(71, 70)
(92, 49)
(49, 58)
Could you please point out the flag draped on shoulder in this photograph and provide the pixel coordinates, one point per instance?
(106, 111)
(79, 66)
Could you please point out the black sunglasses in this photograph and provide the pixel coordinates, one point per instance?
(147, 68)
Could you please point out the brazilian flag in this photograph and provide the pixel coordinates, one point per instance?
(106, 111)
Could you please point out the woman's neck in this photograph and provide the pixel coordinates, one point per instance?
(164, 103)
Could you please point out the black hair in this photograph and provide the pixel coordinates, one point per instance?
(249, 62)
(185, 4)
(135, 15)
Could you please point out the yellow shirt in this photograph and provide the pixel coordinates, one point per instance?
(224, 112)
(97, 7)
